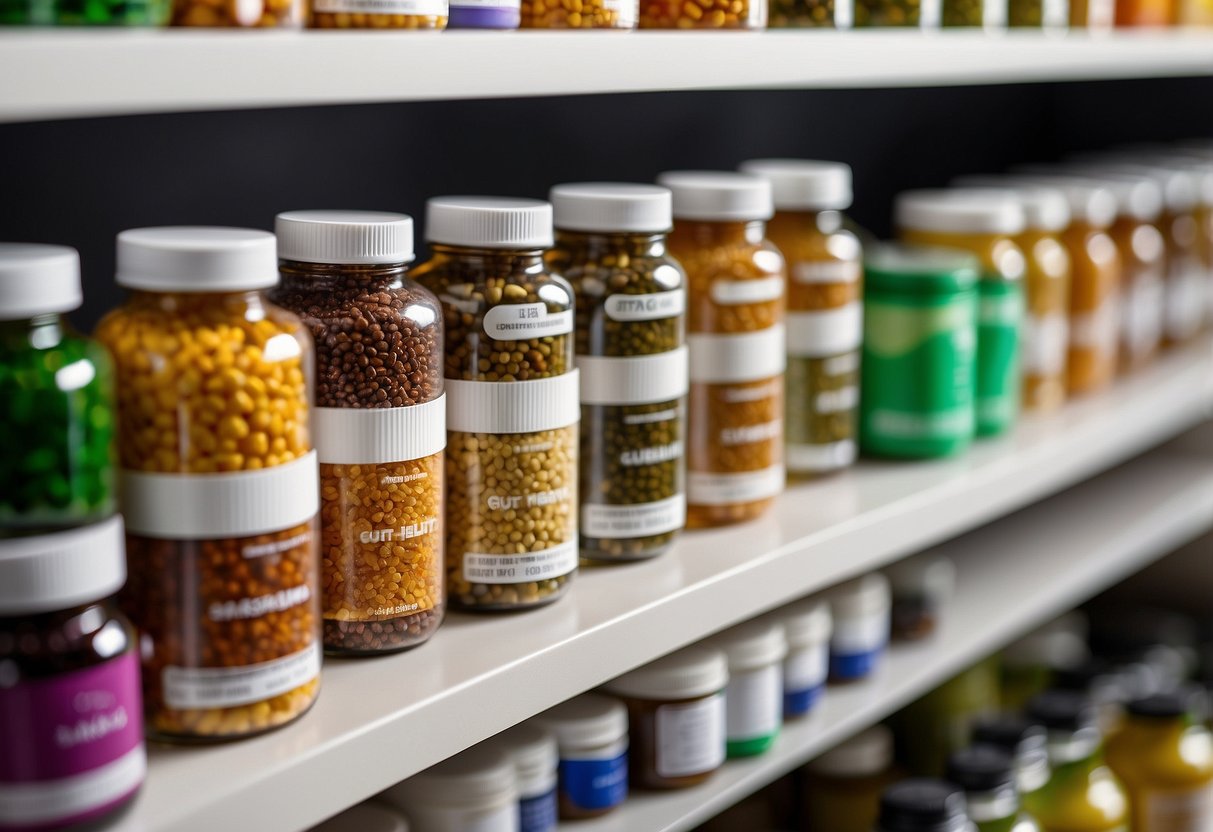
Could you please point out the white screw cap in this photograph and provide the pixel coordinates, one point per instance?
(612, 207)
(48, 572)
(344, 237)
(968, 211)
(717, 196)
(197, 259)
(38, 279)
(805, 184)
(489, 222)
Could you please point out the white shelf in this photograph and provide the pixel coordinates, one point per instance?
(379, 721)
(1012, 575)
(65, 73)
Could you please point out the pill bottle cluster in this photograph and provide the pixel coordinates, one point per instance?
(613, 15)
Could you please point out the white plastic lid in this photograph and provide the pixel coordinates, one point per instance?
(1089, 201)
(37, 279)
(752, 645)
(339, 237)
(482, 776)
(861, 596)
(926, 575)
(1137, 196)
(806, 623)
(197, 259)
(692, 672)
(1179, 188)
(586, 722)
(964, 211)
(718, 196)
(1060, 643)
(489, 222)
(612, 207)
(1201, 169)
(804, 184)
(1045, 208)
(49, 572)
(532, 749)
(365, 817)
(863, 755)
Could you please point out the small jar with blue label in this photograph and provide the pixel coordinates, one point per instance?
(754, 696)
(807, 625)
(532, 750)
(592, 734)
(861, 610)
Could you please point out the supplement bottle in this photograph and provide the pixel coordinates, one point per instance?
(825, 310)
(1164, 757)
(474, 790)
(987, 775)
(922, 805)
(260, 14)
(918, 14)
(1051, 15)
(580, 14)
(1025, 741)
(919, 349)
(922, 587)
(631, 302)
(84, 13)
(861, 612)
(70, 717)
(703, 14)
(379, 425)
(807, 625)
(532, 750)
(219, 482)
(736, 337)
(810, 14)
(1082, 794)
(377, 14)
(592, 734)
(843, 786)
(484, 14)
(754, 697)
(365, 817)
(512, 402)
(57, 469)
(985, 223)
(676, 718)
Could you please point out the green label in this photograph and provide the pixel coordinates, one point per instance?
(917, 380)
(1000, 316)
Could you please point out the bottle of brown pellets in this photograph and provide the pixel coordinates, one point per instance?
(631, 298)
(512, 402)
(379, 424)
(735, 301)
(219, 482)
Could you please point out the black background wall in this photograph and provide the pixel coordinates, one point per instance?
(81, 182)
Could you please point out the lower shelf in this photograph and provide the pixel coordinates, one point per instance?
(1012, 575)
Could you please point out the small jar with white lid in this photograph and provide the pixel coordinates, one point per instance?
(532, 749)
(475, 791)
(676, 718)
(862, 610)
(921, 586)
(71, 723)
(592, 734)
(807, 625)
(365, 817)
(754, 697)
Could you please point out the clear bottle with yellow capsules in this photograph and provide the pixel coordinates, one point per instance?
(825, 310)
(735, 331)
(219, 482)
(1164, 757)
(984, 222)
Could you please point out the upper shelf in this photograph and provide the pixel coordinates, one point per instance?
(64, 73)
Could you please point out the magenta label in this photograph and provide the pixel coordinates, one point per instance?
(69, 725)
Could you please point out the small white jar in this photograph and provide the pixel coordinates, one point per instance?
(807, 625)
(475, 791)
(365, 817)
(922, 588)
(532, 750)
(592, 733)
(754, 697)
(861, 611)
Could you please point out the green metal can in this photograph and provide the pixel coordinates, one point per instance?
(919, 351)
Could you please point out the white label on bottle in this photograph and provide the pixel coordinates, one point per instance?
(726, 292)
(520, 569)
(756, 14)
(628, 11)
(1142, 316)
(690, 737)
(33, 803)
(413, 7)
(827, 271)
(515, 406)
(1046, 340)
(640, 379)
(378, 435)
(737, 357)
(821, 334)
(228, 687)
(1189, 811)
(807, 667)
(520, 321)
(1185, 304)
(829, 457)
(860, 634)
(640, 520)
(709, 489)
(753, 703)
(1096, 330)
(648, 307)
